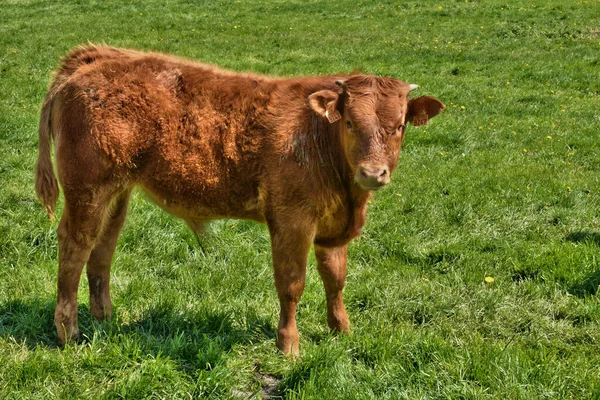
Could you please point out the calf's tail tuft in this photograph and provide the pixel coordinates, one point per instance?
(46, 185)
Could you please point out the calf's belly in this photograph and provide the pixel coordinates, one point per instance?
(205, 200)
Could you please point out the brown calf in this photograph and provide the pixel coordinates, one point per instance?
(301, 155)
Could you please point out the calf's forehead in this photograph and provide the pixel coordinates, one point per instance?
(382, 108)
(379, 100)
(391, 107)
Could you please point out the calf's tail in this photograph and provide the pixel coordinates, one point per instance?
(46, 185)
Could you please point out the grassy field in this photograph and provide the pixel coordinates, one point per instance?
(476, 276)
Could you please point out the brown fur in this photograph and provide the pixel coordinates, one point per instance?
(206, 143)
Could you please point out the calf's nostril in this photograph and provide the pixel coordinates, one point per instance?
(383, 173)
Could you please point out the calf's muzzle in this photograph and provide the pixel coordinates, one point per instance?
(372, 177)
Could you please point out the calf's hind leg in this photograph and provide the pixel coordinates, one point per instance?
(98, 265)
(78, 230)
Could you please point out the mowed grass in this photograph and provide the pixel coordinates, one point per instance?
(504, 185)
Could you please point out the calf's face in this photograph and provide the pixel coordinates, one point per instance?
(373, 113)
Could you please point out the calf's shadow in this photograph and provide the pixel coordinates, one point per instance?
(196, 340)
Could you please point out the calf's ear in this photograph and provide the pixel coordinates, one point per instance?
(422, 109)
(324, 103)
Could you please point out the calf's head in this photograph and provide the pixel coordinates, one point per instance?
(373, 113)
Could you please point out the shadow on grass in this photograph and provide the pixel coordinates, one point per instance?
(590, 284)
(587, 287)
(584, 237)
(29, 322)
(196, 340)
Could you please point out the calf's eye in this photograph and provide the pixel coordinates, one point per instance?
(349, 125)
(394, 132)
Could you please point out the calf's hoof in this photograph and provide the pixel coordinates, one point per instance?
(288, 343)
(339, 326)
(338, 320)
(101, 313)
(67, 334)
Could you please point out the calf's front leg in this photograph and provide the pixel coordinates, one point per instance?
(290, 249)
(331, 263)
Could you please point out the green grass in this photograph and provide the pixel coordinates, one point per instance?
(505, 183)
